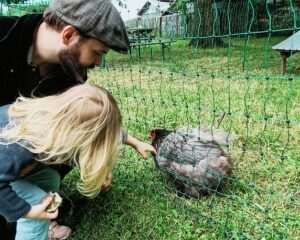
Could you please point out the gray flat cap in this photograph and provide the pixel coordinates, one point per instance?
(98, 19)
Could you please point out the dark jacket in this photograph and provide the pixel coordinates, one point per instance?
(17, 76)
(13, 158)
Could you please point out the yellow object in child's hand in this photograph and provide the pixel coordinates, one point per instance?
(56, 202)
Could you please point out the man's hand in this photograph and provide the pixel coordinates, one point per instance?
(39, 211)
(107, 184)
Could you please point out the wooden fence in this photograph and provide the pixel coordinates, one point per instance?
(238, 18)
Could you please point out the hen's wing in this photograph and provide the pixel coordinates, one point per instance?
(194, 156)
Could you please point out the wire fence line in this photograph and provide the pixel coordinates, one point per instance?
(219, 62)
(232, 17)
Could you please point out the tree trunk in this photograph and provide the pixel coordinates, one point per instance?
(205, 23)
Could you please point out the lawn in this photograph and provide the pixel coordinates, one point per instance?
(194, 86)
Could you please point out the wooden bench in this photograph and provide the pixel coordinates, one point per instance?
(164, 43)
(286, 48)
(141, 39)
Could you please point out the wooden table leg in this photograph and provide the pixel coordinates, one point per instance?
(130, 52)
(283, 65)
(163, 51)
(139, 52)
(284, 56)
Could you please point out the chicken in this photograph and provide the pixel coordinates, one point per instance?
(193, 157)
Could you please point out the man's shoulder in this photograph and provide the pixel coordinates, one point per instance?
(16, 36)
(10, 22)
(6, 23)
(31, 19)
(15, 18)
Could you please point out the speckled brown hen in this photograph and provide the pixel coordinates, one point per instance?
(194, 158)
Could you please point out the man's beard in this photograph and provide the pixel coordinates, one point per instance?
(69, 61)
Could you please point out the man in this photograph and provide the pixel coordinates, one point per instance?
(46, 54)
(43, 55)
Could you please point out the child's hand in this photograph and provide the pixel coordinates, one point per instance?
(107, 184)
(142, 148)
(39, 211)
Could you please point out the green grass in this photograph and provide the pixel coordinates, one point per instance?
(240, 57)
(260, 201)
(21, 9)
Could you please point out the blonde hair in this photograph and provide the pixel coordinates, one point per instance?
(82, 124)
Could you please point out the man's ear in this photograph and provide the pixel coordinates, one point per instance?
(68, 33)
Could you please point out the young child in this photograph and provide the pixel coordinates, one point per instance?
(80, 127)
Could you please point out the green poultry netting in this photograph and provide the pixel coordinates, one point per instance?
(19, 8)
(203, 64)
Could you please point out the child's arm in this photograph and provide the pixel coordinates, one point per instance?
(13, 206)
(141, 147)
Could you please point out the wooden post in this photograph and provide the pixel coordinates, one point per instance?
(284, 55)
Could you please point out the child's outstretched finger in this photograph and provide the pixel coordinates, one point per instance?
(153, 151)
